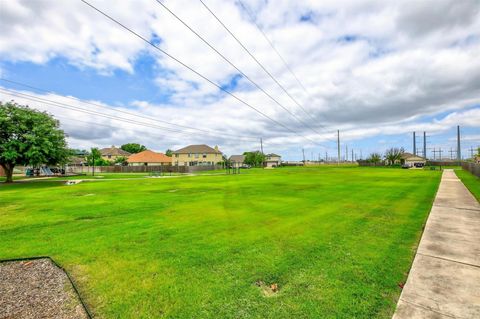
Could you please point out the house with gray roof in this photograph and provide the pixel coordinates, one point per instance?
(197, 155)
(112, 153)
(237, 160)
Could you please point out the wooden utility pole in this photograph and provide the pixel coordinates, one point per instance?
(338, 146)
(459, 152)
(261, 149)
(303, 152)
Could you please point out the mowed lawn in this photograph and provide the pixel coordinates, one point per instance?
(471, 181)
(338, 242)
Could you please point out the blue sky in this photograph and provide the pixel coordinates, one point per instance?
(372, 70)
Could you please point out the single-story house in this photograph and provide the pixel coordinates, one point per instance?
(411, 160)
(112, 153)
(237, 160)
(197, 155)
(149, 158)
(273, 160)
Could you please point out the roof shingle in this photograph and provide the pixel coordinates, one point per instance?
(202, 148)
(113, 151)
(149, 157)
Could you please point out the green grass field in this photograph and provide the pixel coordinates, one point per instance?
(470, 181)
(336, 241)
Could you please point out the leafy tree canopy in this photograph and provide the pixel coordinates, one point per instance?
(29, 137)
(121, 160)
(169, 152)
(95, 158)
(133, 148)
(374, 158)
(394, 154)
(255, 158)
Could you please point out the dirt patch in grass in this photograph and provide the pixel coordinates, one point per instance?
(268, 290)
(37, 289)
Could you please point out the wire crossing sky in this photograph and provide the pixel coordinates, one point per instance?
(375, 70)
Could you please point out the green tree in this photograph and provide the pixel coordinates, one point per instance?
(255, 158)
(133, 148)
(169, 152)
(94, 158)
(394, 154)
(374, 158)
(29, 137)
(121, 160)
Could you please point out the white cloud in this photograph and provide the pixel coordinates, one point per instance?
(371, 67)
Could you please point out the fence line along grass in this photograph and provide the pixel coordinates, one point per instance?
(285, 243)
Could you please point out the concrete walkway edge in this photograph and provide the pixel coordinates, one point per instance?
(444, 281)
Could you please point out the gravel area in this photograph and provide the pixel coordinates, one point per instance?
(37, 289)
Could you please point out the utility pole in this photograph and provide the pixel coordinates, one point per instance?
(459, 153)
(261, 149)
(424, 144)
(414, 144)
(338, 146)
(303, 152)
(361, 155)
(434, 154)
(471, 152)
(93, 167)
(451, 153)
(346, 153)
(326, 156)
(352, 155)
(440, 152)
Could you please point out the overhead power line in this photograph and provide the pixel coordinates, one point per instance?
(112, 117)
(196, 72)
(256, 60)
(91, 112)
(247, 10)
(76, 122)
(126, 112)
(234, 66)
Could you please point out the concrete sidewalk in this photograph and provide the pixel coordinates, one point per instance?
(444, 281)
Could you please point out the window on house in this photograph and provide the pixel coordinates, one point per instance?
(197, 155)
(204, 155)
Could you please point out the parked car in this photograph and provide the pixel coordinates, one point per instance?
(246, 166)
(406, 166)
